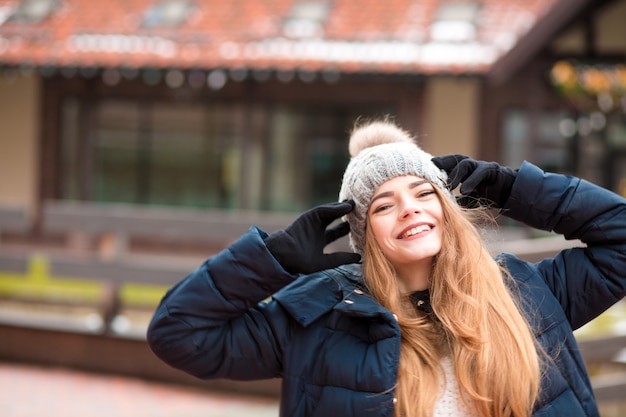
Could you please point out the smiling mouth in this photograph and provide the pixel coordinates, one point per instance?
(414, 231)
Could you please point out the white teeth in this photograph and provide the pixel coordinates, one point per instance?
(415, 230)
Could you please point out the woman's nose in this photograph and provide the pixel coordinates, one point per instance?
(410, 207)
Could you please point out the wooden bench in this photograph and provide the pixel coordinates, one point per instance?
(13, 218)
(114, 226)
(101, 243)
(610, 352)
(44, 273)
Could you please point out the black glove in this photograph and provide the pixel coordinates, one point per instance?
(300, 247)
(482, 183)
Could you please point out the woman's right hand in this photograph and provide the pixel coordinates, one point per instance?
(300, 247)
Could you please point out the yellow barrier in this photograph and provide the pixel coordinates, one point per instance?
(38, 284)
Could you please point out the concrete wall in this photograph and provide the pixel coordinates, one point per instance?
(19, 142)
(452, 108)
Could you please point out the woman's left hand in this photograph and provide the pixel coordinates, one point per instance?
(479, 180)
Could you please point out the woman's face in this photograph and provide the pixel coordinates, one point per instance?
(406, 216)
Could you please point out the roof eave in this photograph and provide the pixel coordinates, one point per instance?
(553, 22)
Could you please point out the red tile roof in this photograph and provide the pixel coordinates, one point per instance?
(358, 36)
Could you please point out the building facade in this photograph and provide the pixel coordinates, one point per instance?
(165, 103)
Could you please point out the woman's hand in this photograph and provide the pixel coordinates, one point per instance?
(481, 182)
(300, 247)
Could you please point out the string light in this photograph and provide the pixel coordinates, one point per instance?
(111, 76)
(216, 79)
(151, 77)
(238, 74)
(572, 78)
(593, 89)
(174, 78)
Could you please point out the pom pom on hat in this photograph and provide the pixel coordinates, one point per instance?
(381, 151)
(376, 133)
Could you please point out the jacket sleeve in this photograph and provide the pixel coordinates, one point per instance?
(215, 324)
(588, 280)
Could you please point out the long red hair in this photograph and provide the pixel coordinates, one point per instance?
(496, 358)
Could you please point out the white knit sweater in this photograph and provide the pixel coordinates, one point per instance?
(450, 402)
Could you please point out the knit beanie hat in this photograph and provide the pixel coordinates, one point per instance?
(381, 151)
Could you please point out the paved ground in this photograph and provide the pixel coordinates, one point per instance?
(30, 391)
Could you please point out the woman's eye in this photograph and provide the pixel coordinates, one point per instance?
(383, 207)
(426, 193)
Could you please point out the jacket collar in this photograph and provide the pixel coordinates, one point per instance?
(340, 289)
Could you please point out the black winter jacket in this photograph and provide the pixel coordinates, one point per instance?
(337, 350)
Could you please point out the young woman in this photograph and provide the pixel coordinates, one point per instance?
(427, 324)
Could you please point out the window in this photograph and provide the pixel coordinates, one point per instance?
(515, 134)
(168, 13)
(32, 11)
(306, 19)
(215, 155)
(455, 22)
(551, 149)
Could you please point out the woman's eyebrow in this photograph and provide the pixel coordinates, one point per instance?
(381, 195)
(417, 183)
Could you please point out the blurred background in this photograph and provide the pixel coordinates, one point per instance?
(139, 137)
